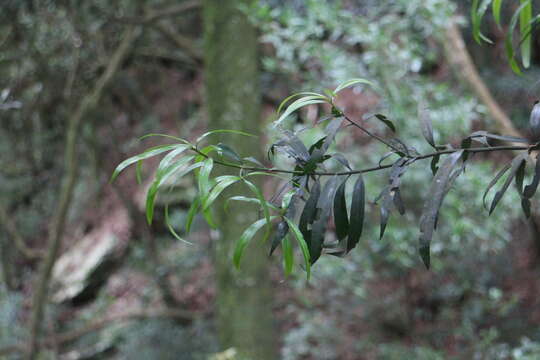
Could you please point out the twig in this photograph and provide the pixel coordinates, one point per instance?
(172, 11)
(57, 228)
(354, 123)
(96, 325)
(7, 222)
(182, 42)
(412, 159)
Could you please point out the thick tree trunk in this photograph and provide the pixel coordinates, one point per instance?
(244, 307)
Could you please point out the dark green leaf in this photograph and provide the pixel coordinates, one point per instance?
(530, 189)
(145, 155)
(243, 241)
(288, 255)
(279, 235)
(356, 222)
(494, 181)
(324, 209)
(386, 122)
(516, 164)
(303, 245)
(310, 212)
(228, 152)
(426, 126)
(436, 194)
(193, 210)
(341, 218)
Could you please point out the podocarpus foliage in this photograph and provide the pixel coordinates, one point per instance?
(312, 196)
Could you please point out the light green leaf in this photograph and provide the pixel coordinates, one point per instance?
(204, 176)
(525, 31)
(145, 155)
(249, 200)
(496, 7)
(223, 131)
(304, 101)
(302, 243)
(352, 82)
(171, 228)
(304, 93)
(222, 183)
(288, 255)
(266, 210)
(245, 238)
(165, 136)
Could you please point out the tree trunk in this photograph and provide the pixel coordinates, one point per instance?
(244, 306)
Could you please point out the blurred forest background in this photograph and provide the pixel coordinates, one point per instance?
(85, 277)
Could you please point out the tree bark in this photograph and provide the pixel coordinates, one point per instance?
(244, 306)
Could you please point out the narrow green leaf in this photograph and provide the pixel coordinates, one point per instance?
(168, 159)
(138, 172)
(171, 228)
(145, 155)
(341, 219)
(249, 200)
(494, 181)
(303, 245)
(304, 93)
(352, 82)
(288, 255)
(509, 38)
(426, 126)
(304, 101)
(264, 205)
(530, 189)
(228, 152)
(430, 213)
(386, 122)
(525, 31)
(324, 209)
(193, 210)
(243, 241)
(516, 165)
(223, 131)
(162, 179)
(356, 222)
(310, 212)
(496, 7)
(165, 136)
(222, 182)
(204, 176)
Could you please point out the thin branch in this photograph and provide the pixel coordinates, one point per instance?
(69, 336)
(57, 228)
(412, 159)
(8, 223)
(354, 123)
(182, 42)
(172, 11)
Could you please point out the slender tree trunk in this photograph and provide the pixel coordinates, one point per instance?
(244, 306)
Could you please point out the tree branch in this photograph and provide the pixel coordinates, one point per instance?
(56, 230)
(7, 222)
(69, 336)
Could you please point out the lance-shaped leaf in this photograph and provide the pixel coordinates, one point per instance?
(525, 32)
(309, 213)
(228, 152)
(264, 205)
(178, 168)
(386, 121)
(171, 227)
(248, 200)
(352, 82)
(193, 210)
(223, 131)
(324, 209)
(246, 237)
(342, 160)
(304, 93)
(288, 255)
(302, 244)
(204, 176)
(496, 9)
(388, 194)
(356, 222)
(434, 164)
(436, 194)
(169, 158)
(478, 12)
(293, 147)
(509, 38)
(494, 181)
(319, 151)
(341, 219)
(534, 122)
(222, 182)
(426, 126)
(297, 104)
(530, 189)
(145, 155)
(517, 163)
